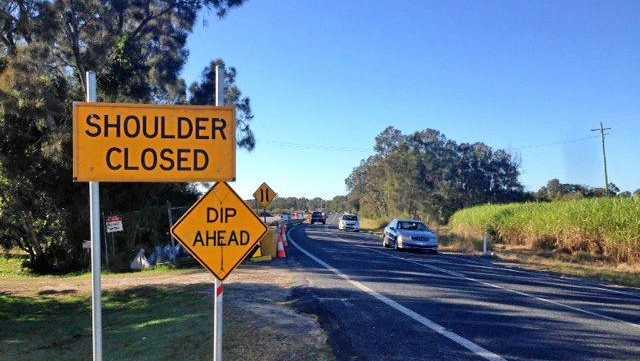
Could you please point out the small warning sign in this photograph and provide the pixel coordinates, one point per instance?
(264, 195)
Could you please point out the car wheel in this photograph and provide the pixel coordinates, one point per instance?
(385, 244)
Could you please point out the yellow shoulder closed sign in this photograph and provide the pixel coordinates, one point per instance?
(153, 143)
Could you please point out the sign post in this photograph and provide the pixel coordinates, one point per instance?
(217, 285)
(219, 231)
(163, 143)
(94, 207)
(264, 195)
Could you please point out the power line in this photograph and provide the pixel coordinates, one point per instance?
(602, 130)
(321, 147)
(558, 142)
(302, 146)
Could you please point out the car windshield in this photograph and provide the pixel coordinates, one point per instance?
(412, 226)
(316, 214)
(350, 218)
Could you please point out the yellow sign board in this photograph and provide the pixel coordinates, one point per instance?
(219, 230)
(264, 195)
(153, 143)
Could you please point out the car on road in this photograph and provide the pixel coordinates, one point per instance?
(268, 218)
(349, 222)
(285, 217)
(317, 217)
(409, 234)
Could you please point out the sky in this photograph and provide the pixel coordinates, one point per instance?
(532, 77)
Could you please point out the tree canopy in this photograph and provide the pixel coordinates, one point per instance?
(427, 175)
(137, 48)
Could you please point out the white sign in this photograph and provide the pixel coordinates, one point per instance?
(114, 224)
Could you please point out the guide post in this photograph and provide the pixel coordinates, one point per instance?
(94, 206)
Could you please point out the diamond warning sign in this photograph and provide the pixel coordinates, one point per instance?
(219, 230)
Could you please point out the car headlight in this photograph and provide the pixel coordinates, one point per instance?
(404, 238)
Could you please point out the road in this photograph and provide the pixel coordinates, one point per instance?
(379, 304)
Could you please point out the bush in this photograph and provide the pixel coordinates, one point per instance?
(609, 227)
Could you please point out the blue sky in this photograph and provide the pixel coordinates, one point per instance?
(325, 77)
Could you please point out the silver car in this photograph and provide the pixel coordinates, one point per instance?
(405, 234)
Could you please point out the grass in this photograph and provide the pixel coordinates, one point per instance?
(592, 238)
(161, 314)
(143, 323)
(11, 265)
(606, 227)
(373, 225)
(576, 266)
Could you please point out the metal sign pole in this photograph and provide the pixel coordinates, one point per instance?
(217, 291)
(94, 206)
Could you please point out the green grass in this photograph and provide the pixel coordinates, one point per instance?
(609, 227)
(143, 323)
(11, 265)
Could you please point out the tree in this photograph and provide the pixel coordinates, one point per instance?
(202, 93)
(426, 174)
(137, 49)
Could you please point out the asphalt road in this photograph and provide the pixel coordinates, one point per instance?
(380, 304)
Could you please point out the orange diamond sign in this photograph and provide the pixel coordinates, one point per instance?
(264, 195)
(219, 230)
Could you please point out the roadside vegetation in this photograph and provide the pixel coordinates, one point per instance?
(47, 47)
(603, 227)
(596, 238)
(163, 314)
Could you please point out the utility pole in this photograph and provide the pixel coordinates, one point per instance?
(602, 130)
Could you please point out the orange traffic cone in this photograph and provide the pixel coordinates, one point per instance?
(281, 253)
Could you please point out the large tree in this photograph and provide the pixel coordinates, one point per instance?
(425, 174)
(137, 48)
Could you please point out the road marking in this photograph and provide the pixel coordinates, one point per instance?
(541, 278)
(469, 345)
(460, 275)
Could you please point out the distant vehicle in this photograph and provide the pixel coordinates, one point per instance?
(349, 222)
(317, 217)
(409, 234)
(285, 217)
(267, 217)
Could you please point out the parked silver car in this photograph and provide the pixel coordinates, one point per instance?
(405, 234)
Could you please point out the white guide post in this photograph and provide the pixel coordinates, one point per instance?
(485, 245)
(94, 206)
(218, 289)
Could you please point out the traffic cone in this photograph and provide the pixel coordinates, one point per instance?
(281, 253)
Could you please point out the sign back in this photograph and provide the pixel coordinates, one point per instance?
(153, 143)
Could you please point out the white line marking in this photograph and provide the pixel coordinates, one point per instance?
(476, 349)
(460, 275)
